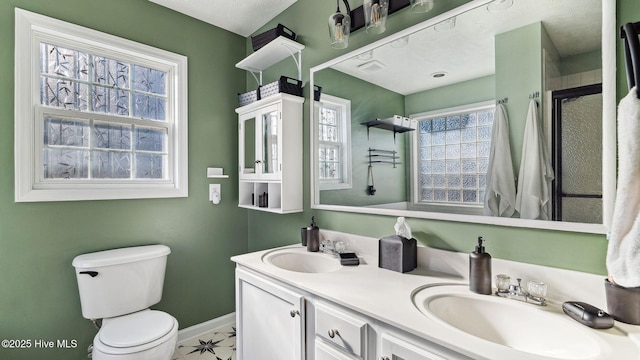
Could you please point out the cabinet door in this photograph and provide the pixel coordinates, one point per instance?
(394, 348)
(270, 150)
(260, 149)
(270, 319)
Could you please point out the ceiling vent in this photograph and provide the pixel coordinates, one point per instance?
(371, 66)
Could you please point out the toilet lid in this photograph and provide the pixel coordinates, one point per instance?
(136, 329)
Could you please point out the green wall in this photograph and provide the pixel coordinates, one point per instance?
(463, 93)
(38, 289)
(537, 246)
(368, 102)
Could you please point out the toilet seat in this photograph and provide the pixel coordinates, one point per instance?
(135, 332)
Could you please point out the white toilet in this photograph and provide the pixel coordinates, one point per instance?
(118, 286)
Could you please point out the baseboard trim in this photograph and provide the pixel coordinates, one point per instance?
(205, 327)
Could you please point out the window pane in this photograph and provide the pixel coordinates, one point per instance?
(150, 166)
(63, 93)
(65, 163)
(63, 62)
(150, 139)
(149, 107)
(110, 72)
(64, 132)
(149, 80)
(111, 165)
(111, 136)
(110, 101)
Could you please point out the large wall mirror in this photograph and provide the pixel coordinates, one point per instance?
(404, 126)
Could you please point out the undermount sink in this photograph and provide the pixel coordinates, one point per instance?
(299, 260)
(542, 331)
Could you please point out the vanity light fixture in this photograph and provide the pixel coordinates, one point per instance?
(372, 15)
(375, 15)
(422, 6)
(340, 26)
(499, 5)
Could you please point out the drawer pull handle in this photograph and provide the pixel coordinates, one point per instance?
(293, 313)
(333, 333)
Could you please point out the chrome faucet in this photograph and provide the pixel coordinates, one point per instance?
(516, 292)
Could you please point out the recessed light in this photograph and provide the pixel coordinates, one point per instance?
(438, 74)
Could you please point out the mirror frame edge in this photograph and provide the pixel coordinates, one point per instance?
(609, 165)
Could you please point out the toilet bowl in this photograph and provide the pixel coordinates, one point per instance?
(144, 335)
(118, 286)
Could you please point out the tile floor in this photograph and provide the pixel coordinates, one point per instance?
(219, 344)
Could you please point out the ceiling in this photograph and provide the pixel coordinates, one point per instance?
(242, 17)
(467, 51)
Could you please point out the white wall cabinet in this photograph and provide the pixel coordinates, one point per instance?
(270, 319)
(270, 154)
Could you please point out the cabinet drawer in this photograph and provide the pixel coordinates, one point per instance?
(341, 329)
(325, 352)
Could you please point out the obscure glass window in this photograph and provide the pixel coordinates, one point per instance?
(81, 147)
(97, 116)
(453, 155)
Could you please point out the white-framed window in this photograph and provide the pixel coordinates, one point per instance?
(451, 151)
(334, 142)
(96, 116)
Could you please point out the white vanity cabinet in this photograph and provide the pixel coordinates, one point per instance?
(270, 154)
(270, 319)
(393, 347)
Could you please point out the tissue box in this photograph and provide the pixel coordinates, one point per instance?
(398, 253)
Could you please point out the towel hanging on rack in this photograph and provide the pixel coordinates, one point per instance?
(500, 195)
(536, 173)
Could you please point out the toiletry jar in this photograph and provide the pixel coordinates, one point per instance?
(398, 253)
(623, 303)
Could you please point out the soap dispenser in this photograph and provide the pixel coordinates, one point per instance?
(480, 270)
(313, 236)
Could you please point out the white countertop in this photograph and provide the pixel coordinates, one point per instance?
(387, 295)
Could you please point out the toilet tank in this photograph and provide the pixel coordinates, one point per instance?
(120, 281)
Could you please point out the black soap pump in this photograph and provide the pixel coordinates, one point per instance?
(480, 270)
(313, 236)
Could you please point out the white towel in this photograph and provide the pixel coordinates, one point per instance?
(623, 255)
(500, 196)
(536, 173)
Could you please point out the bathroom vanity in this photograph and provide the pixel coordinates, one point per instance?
(291, 304)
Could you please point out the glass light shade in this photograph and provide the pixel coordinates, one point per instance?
(375, 15)
(421, 6)
(339, 29)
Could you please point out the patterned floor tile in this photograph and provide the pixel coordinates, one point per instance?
(216, 345)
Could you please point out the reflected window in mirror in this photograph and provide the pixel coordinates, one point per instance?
(452, 155)
(334, 147)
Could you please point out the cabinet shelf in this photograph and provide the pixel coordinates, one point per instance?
(272, 53)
